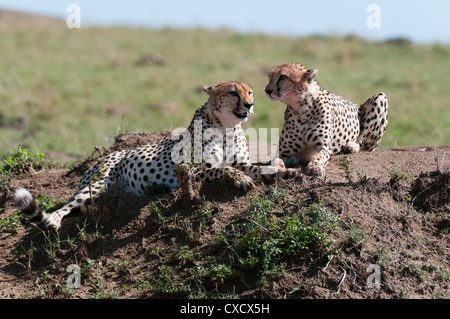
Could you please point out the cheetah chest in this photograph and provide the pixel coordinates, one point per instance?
(330, 127)
(302, 136)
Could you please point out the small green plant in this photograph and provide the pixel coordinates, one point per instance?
(418, 271)
(165, 282)
(21, 160)
(88, 235)
(269, 275)
(51, 245)
(184, 255)
(11, 223)
(355, 234)
(121, 265)
(344, 164)
(263, 239)
(161, 219)
(396, 175)
(48, 204)
(383, 256)
(24, 257)
(88, 267)
(215, 273)
(277, 195)
(101, 292)
(362, 178)
(207, 211)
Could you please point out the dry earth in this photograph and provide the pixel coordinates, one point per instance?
(393, 205)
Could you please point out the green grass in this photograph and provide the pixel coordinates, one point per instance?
(11, 223)
(260, 242)
(263, 239)
(21, 160)
(65, 90)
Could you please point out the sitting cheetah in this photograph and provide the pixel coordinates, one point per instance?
(318, 123)
(215, 126)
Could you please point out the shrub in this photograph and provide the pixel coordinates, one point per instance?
(22, 160)
(265, 237)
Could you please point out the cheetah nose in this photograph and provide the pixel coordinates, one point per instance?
(269, 91)
(248, 105)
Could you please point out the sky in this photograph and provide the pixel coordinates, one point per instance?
(424, 21)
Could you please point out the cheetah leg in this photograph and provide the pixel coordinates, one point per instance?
(95, 180)
(215, 169)
(267, 172)
(351, 147)
(316, 167)
(373, 116)
(53, 222)
(282, 171)
(239, 178)
(28, 205)
(242, 175)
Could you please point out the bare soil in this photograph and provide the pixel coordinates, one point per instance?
(393, 204)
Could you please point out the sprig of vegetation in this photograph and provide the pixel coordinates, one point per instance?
(11, 223)
(49, 205)
(21, 160)
(263, 239)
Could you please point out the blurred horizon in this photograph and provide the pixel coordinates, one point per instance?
(416, 21)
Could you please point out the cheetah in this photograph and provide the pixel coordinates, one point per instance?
(318, 123)
(215, 126)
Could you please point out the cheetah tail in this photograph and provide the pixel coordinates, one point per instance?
(29, 207)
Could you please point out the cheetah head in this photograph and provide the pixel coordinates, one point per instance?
(289, 83)
(230, 101)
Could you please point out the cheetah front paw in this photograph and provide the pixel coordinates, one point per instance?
(277, 169)
(243, 182)
(53, 223)
(314, 169)
(288, 173)
(351, 148)
(278, 163)
(240, 180)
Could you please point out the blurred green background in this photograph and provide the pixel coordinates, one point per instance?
(64, 91)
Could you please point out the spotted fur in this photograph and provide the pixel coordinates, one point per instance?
(219, 122)
(318, 123)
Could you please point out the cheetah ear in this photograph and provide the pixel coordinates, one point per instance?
(310, 75)
(208, 89)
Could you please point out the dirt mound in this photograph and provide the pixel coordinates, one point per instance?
(376, 227)
(431, 191)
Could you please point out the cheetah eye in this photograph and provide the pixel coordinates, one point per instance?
(234, 93)
(250, 93)
(282, 77)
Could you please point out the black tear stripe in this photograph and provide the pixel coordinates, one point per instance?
(278, 84)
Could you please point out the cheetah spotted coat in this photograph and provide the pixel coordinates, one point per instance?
(318, 123)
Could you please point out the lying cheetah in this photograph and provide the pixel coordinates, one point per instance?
(318, 123)
(219, 145)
